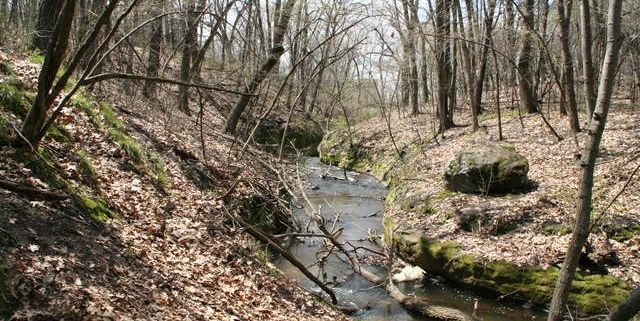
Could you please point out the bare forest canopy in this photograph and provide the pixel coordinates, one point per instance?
(332, 61)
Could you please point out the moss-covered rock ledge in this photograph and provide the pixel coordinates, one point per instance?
(357, 153)
(422, 218)
(590, 294)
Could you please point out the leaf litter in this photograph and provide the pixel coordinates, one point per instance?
(170, 256)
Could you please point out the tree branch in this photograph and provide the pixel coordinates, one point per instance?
(117, 75)
(32, 192)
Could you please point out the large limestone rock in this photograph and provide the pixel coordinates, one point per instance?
(487, 169)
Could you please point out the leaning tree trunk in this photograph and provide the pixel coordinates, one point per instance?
(274, 57)
(55, 54)
(627, 309)
(587, 163)
(198, 59)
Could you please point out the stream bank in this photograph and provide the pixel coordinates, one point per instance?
(356, 205)
(519, 264)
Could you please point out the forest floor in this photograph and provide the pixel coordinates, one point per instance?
(538, 221)
(156, 239)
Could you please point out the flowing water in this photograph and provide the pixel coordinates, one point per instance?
(356, 205)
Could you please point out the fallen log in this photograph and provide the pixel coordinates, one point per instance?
(32, 192)
(426, 308)
(267, 239)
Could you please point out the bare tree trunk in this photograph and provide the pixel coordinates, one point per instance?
(187, 51)
(153, 61)
(528, 99)
(587, 57)
(568, 86)
(196, 66)
(587, 163)
(4, 6)
(510, 29)
(274, 57)
(47, 17)
(34, 127)
(443, 58)
(467, 64)
(320, 78)
(497, 79)
(409, 10)
(56, 51)
(424, 68)
(476, 103)
(451, 90)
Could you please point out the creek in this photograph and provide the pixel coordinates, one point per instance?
(358, 205)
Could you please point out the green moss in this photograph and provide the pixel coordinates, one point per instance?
(36, 58)
(416, 204)
(42, 165)
(159, 171)
(80, 101)
(380, 170)
(263, 214)
(14, 98)
(556, 229)
(443, 194)
(338, 122)
(59, 133)
(6, 69)
(129, 145)
(97, 208)
(590, 294)
(353, 157)
(595, 293)
(88, 173)
(110, 117)
(336, 149)
(626, 234)
(393, 195)
(4, 131)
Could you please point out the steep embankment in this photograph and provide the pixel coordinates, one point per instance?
(125, 212)
(509, 246)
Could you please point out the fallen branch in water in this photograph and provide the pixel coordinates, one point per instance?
(267, 239)
(417, 305)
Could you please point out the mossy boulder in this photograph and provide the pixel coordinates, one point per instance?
(491, 168)
(590, 294)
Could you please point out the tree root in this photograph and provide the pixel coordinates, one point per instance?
(32, 192)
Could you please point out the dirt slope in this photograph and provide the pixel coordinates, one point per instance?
(145, 231)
